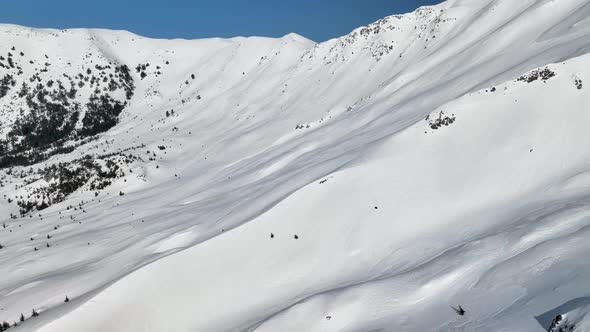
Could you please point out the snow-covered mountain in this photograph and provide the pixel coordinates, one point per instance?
(368, 183)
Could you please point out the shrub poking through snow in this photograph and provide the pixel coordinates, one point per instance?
(442, 120)
(4, 326)
(578, 83)
(542, 74)
(559, 324)
(459, 310)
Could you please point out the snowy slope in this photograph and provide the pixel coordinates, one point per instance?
(397, 218)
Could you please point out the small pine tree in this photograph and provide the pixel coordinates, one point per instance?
(67, 299)
(34, 313)
(22, 318)
(459, 310)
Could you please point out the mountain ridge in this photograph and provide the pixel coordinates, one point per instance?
(323, 138)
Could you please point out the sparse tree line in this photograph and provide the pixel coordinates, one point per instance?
(50, 120)
(65, 178)
(5, 325)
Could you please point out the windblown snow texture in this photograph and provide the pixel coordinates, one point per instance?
(373, 182)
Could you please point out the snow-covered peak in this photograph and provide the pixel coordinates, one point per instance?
(372, 182)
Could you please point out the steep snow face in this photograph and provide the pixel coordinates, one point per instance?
(367, 183)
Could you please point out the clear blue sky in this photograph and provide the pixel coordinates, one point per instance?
(315, 19)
